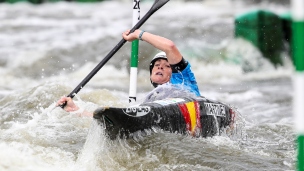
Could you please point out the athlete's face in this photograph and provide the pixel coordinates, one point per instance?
(161, 72)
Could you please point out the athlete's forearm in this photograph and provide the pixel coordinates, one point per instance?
(162, 44)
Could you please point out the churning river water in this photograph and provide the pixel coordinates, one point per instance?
(46, 50)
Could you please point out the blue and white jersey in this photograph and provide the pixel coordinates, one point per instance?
(187, 79)
(182, 84)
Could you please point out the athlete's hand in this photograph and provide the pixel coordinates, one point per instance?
(131, 36)
(70, 105)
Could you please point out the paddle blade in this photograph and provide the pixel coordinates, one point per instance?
(158, 4)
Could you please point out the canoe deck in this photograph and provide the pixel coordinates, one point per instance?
(193, 116)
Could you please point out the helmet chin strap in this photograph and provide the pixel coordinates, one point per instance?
(155, 84)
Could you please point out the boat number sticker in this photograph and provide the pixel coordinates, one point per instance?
(169, 101)
(137, 111)
(215, 109)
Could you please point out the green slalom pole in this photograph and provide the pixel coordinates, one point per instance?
(298, 80)
(134, 55)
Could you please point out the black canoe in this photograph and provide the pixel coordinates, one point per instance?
(193, 116)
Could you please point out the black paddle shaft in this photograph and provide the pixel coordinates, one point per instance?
(156, 5)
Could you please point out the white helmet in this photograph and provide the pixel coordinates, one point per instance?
(160, 55)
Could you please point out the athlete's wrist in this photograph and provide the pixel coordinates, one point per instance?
(141, 35)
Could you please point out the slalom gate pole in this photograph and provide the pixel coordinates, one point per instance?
(134, 55)
(297, 9)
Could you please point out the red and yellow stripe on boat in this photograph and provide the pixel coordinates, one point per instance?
(191, 113)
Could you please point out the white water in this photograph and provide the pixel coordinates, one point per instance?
(46, 50)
